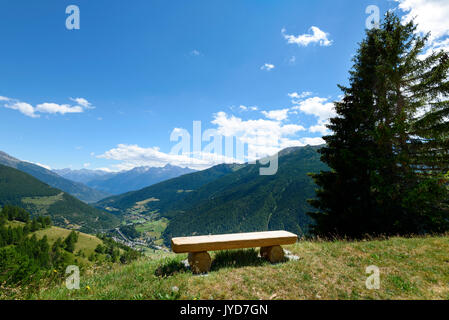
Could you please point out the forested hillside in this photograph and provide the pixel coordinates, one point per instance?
(20, 189)
(75, 189)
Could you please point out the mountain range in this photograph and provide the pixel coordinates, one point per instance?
(76, 189)
(124, 181)
(83, 175)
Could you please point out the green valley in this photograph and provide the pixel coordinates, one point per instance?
(20, 189)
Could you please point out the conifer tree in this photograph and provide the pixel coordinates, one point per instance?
(389, 147)
(70, 241)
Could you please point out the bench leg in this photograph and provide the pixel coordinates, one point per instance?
(273, 254)
(199, 262)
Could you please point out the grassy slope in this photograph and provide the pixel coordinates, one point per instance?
(86, 242)
(410, 269)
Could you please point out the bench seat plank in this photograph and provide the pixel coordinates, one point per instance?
(232, 241)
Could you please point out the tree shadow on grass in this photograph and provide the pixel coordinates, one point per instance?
(221, 259)
(237, 259)
(171, 267)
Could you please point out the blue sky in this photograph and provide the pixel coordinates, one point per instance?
(110, 94)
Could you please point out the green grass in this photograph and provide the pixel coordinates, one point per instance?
(415, 268)
(42, 203)
(14, 224)
(86, 243)
(153, 228)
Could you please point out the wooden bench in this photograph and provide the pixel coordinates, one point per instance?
(269, 242)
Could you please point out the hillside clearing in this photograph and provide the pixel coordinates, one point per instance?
(414, 268)
(86, 243)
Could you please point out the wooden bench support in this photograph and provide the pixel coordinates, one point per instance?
(274, 254)
(199, 262)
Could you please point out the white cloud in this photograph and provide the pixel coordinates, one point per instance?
(430, 15)
(54, 108)
(195, 53)
(22, 107)
(291, 129)
(245, 108)
(278, 115)
(46, 107)
(317, 36)
(296, 95)
(262, 137)
(82, 102)
(319, 107)
(267, 67)
(233, 126)
(320, 128)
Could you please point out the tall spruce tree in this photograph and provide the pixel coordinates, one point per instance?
(389, 149)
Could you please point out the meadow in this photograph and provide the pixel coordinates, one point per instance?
(410, 268)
